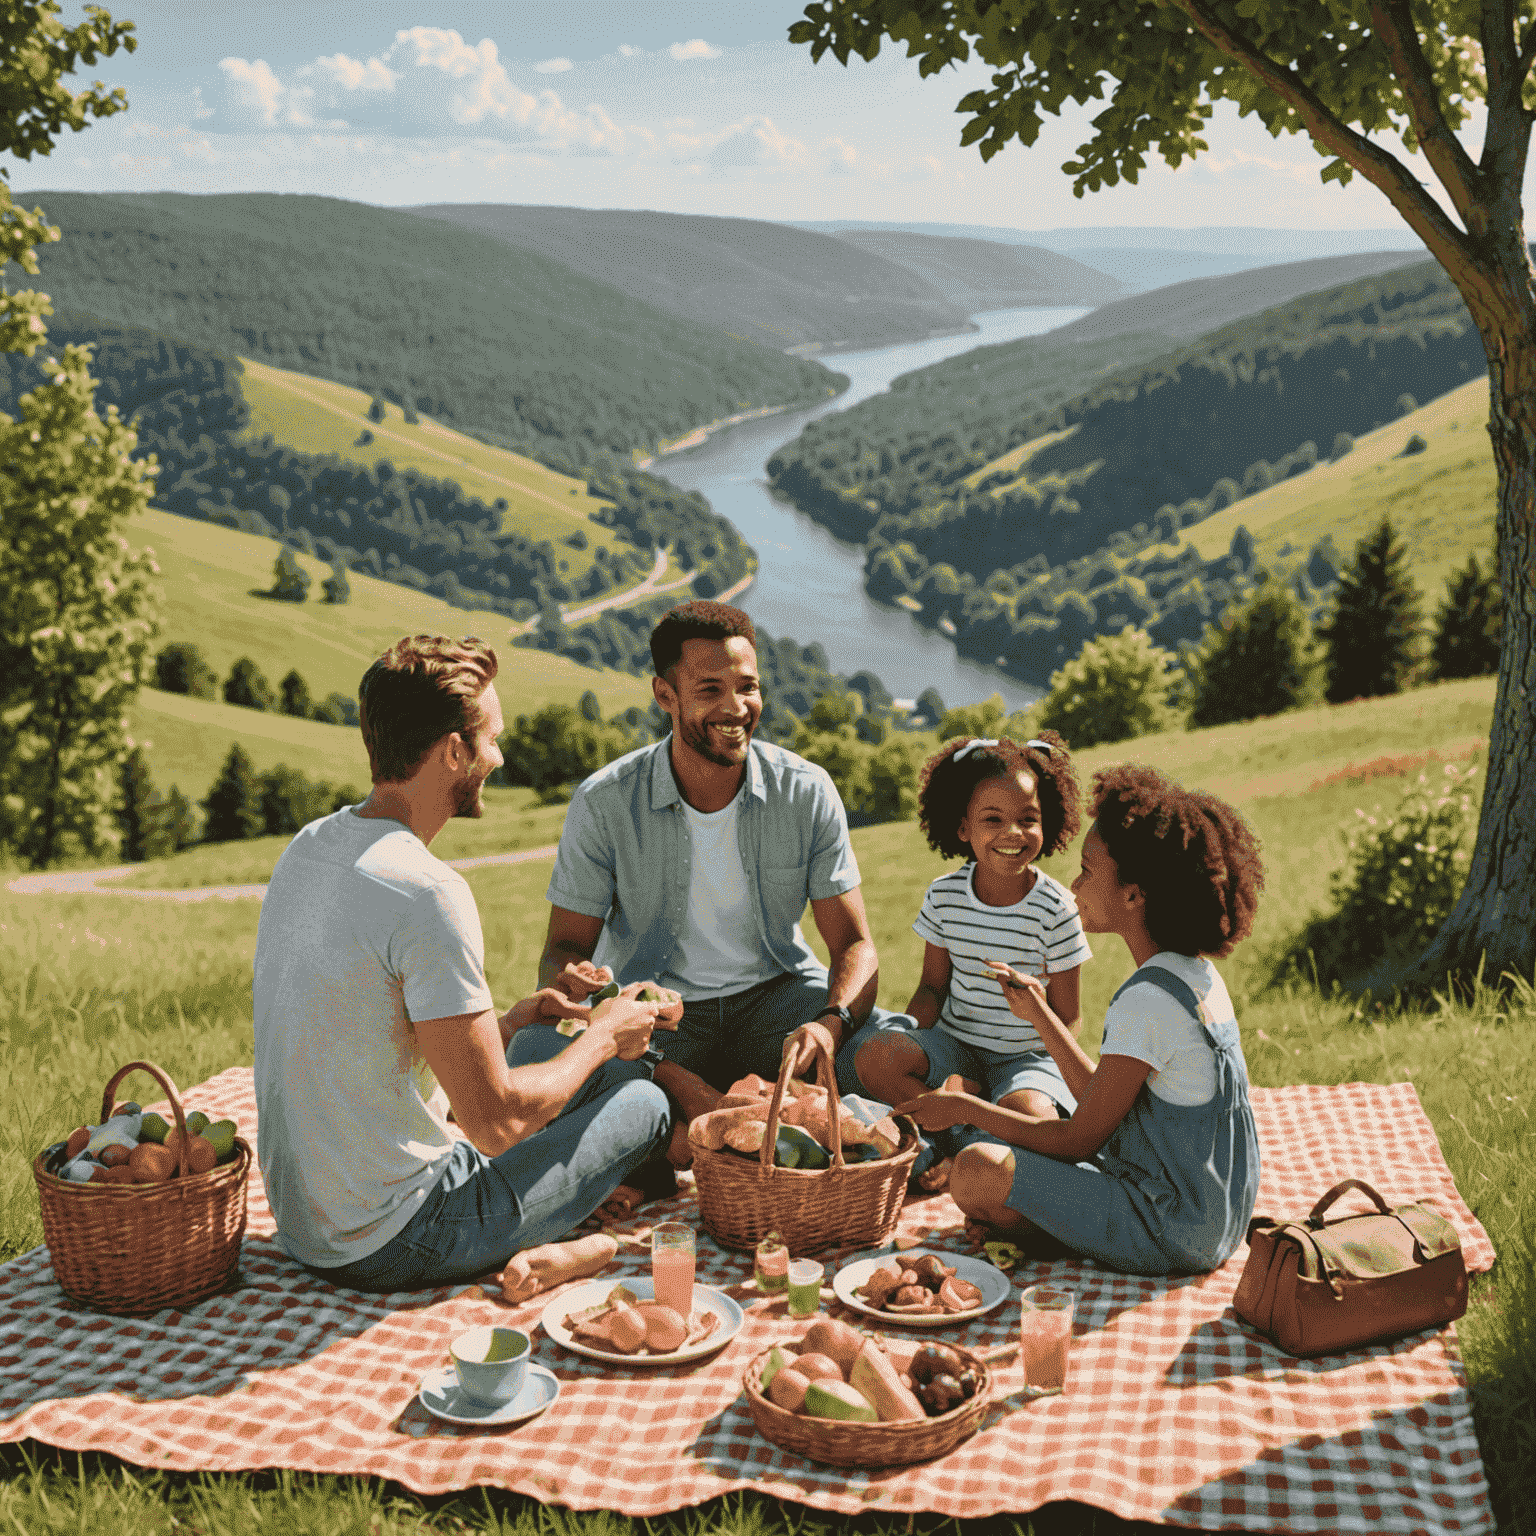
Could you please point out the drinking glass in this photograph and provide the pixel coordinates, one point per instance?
(672, 1261)
(771, 1266)
(805, 1276)
(1045, 1333)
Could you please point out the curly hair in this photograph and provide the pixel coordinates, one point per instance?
(945, 788)
(1195, 859)
(696, 620)
(421, 689)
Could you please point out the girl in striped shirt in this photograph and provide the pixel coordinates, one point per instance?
(998, 805)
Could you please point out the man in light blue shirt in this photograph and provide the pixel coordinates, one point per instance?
(690, 862)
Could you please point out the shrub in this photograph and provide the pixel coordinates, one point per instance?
(290, 579)
(1343, 443)
(558, 747)
(1406, 404)
(293, 696)
(376, 407)
(1372, 631)
(336, 587)
(180, 667)
(1259, 660)
(337, 709)
(289, 800)
(1469, 625)
(1402, 876)
(1116, 688)
(247, 686)
(141, 809)
(1415, 444)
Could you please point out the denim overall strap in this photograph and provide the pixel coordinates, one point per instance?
(1191, 1171)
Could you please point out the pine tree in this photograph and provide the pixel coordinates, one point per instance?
(180, 820)
(141, 812)
(1469, 624)
(233, 806)
(336, 587)
(180, 667)
(1372, 634)
(1259, 660)
(290, 580)
(293, 696)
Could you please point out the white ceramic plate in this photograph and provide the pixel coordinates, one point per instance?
(441, 1397)
(705, 1299)
(993, 1283)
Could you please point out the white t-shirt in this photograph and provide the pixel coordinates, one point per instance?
(1037, 936)
(361, 932)
(718, 949)
(1153, 1027)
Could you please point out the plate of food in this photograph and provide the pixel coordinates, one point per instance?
(625, 1323)
(922, 1288)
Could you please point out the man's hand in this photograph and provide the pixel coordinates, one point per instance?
(626, 1021)
(804, 1041)
(547, 1006)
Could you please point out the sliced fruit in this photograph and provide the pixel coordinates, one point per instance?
(778, 1359)
(880, 1382)
(837, 1400)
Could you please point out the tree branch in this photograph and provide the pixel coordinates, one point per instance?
(1380, 167)
(1497, 34)
(1457, 172)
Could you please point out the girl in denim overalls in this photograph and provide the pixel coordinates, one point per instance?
(1158, 1168)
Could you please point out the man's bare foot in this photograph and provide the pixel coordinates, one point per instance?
(551, 1264)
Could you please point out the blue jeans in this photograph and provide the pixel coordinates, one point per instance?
(485, 1209)
(722, 1039)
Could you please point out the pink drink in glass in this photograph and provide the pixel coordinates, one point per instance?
(1045, 1333)
(672, 1264)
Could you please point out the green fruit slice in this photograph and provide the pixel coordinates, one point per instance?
(837, 1400)
(777, 1360)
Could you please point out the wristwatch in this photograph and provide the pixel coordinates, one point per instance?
(844, 1017)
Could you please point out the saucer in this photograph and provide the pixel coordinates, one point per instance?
(441, 1397)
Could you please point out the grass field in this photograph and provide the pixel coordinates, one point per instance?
(319, 416)
(214, 578)
(1441, 501)
(87, 982)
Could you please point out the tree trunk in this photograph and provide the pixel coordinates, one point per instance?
(1493, 925)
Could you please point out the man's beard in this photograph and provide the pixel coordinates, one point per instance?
(467, 799)
(696, 737)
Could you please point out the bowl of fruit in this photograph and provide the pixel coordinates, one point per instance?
(142, 1210)
(848, 1399)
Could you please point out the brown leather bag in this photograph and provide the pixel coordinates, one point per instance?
(1317, 1287)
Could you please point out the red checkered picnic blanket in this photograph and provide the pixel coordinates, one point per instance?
(1175, 1412)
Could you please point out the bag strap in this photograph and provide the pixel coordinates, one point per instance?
(1343, 1187)
(1175, 986)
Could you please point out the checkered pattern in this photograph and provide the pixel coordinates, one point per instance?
(1174, 1412)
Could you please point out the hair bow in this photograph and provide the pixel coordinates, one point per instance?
(972, 746)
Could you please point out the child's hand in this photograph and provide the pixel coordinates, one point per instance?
(1025, 995)
(940, 1108)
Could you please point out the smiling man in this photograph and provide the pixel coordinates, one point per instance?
(691, 862)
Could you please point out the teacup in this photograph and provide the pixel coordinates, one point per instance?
(491, 1363)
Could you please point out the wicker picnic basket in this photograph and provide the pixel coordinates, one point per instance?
(894, 1444)
(132, 1249)
(849, 1205)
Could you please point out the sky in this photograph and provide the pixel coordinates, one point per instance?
(664, 104)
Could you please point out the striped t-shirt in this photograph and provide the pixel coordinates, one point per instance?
(1038, 936)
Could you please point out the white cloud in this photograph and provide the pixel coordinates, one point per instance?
(922, 169)
(554, 66)
(754, 141)
(629, 51)
(485, 91)
(695, 48)
(354, 74)
(844, 158)
(254, 92)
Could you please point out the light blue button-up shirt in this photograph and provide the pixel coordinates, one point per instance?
(625, 856)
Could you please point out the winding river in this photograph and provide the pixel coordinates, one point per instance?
(809, 584)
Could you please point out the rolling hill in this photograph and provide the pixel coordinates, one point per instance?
(488, 338)
(773, 284)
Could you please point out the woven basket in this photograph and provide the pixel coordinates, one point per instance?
(867, 1445)
(132, 1249)
(849, 1205)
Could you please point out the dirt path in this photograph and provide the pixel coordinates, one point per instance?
(95, 882)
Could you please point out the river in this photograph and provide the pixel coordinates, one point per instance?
(811, 585)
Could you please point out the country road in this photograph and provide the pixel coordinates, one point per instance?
(95, 882)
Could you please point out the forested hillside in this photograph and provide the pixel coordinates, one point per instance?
(493, 340)
(983, 467)
(769, 283)
(404, 526)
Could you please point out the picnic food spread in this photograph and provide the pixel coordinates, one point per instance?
(626, 1324)
(131, 1147)
(926, 1286)
(804, 1136)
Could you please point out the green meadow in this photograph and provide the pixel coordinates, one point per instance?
(320, 416)
(215, 581)
(89, 981)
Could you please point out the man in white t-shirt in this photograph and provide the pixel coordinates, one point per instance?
(691, 862)
(375, 1027)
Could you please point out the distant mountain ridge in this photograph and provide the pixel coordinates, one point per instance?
(783, 287)
(979, 275)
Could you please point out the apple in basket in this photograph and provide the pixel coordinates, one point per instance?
(836, 1372)
(131, 1147)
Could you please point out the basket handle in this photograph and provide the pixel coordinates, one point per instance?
(828, 1076)
(109, 1098)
